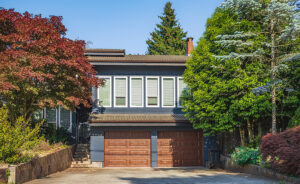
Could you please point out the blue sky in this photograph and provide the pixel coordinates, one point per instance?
(118, 24)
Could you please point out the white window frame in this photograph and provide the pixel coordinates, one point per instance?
(126, 96)
(59, 123)
(162, 91)
(136, 77)
(158, 91)
(178, 97)
(98, 99)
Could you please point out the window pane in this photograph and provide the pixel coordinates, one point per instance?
(120, 91)
(152, 85)
(136, 92)
(120, 101)
(104, 93)
(65, 119)
(51, 115)
(181, 87)
(152, 100)
(120, 87)
(168, 92)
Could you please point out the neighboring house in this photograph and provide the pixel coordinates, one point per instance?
(137, 118)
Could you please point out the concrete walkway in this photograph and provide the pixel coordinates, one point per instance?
(150, 176)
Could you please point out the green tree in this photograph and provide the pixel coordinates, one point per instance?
(221, 96)
(168, 38)
(276, 38)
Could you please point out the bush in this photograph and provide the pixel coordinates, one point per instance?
(245, 156)
(53, 135)
(282, 151)
(15, 138)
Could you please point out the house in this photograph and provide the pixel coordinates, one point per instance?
(137, 118)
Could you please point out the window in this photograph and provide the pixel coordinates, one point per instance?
(168, 91)
(152, 92)
(136, 92)
(104, 93)
(51, 115)
(120, 91)
(65, 119)
(181, 88)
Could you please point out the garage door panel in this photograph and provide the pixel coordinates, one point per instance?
(179, 148)
(127, 149)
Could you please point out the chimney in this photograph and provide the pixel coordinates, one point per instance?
(189, 46)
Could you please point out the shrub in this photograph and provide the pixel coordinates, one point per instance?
(54, 135)
(15, 138)
(245, 156)
(282, 151)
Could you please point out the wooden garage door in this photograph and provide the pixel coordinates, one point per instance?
(179, 148)
(127, 149)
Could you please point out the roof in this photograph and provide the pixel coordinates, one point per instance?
(137, 118)
(106, 50)
(141, 59)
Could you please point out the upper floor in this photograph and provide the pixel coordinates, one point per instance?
(137, 84)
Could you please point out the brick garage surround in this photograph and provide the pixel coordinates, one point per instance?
(41, 167)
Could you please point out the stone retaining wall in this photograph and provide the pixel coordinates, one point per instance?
(228, 164)
(3, 177)
(40, 167)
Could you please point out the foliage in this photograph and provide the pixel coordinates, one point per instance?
(53, 135)
(168, 38)
(295, 121)
(278, 35)
(221, 94)
(15, 138)
(282, 150)
(245, 156)
(39, 67)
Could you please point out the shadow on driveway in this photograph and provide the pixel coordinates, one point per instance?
(150, 176)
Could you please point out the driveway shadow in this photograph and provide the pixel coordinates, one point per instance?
(194, 176)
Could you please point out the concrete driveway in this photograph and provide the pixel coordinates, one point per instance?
(149, 176)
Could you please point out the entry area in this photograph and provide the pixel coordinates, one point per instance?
(127, 149)
(179, 148)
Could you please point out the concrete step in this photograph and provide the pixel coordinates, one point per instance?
(81, 166)
(81, 162)
(81, 159)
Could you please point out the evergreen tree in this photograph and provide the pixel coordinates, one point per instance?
(168, 38)
(220, 96)
(279, 37)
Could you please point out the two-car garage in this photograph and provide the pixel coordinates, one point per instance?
(135, 148)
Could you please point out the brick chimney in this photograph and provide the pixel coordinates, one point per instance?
(189, 46)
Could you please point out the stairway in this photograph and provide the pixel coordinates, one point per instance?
(81, 157)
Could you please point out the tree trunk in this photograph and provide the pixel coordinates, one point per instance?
(242, 135)
(259, 129)
(250, 131)
(273, 93)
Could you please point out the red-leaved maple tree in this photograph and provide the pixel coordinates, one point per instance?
(39, 67)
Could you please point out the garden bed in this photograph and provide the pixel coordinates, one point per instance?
(228, 164)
